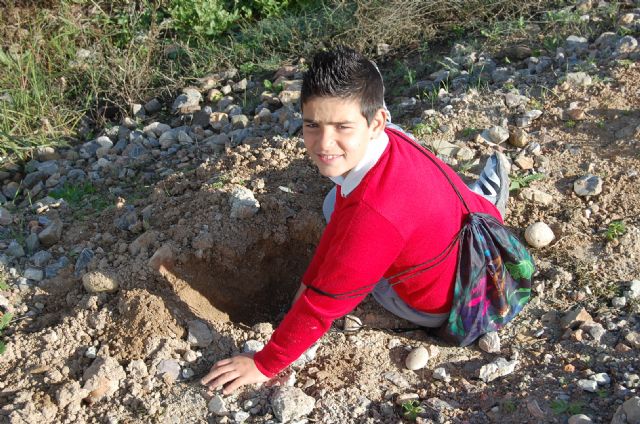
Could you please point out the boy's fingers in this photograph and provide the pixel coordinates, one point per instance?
(215, 372)
(223, 379)
(238, 382)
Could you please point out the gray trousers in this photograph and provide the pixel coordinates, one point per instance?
(383, 293)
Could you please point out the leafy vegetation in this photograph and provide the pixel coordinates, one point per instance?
(411, 410)
(4, 322)
(561, 406)
(521, 181)
(615, 229)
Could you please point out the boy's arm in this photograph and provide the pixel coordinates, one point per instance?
(298, 294)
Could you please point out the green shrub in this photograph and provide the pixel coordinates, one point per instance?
(206, 18)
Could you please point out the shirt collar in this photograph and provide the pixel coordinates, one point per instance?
(374, 151)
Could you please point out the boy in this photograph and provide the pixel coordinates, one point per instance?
(391, 209)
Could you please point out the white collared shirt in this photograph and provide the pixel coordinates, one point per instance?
(374, 151)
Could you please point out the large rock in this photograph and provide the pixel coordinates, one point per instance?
(588, 185)
(496, 369)
(99, 281)
(102, 378)
(631, 408)
(200, 334)
(291, 403)
(51, 234)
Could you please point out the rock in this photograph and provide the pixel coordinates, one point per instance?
(588, 185)
(102, 378)
(143, 242)
(153, 106)
(588, 385)
(168, 139)
(576, 44)
(514, 100)
(619, 302)
(51, 234)
(602, 379)
(200, 334)
(496, 134)
(465, 154)
(578, 79)
(252, 346)
(162, 258)
(496, 369)
(187, 102)
(41, 258)
(190, 356)
(240, 86)
(170, 368)
(241, 416)
(579, 419)
(490, 342)
(69, 393)
(6, 217)
(137, 369)
(243, 203)
(535, 196)
(606, 40)
(11, 190)
(99, 282)
(634, 290)
(539, 235)
(84, 259)
(534, 408)
(631, 408)
(46, 153)
(291, 403)
(575, 317)
(595, 330)
(417, 358)
(239, 121)
(15, 249)
(528, 118)
(633, 338)
(351, 324)
(524, 162)
(34, 274)
(441, 373)
(518, 137)
(156, 129)
(626, 45)
(217, 406)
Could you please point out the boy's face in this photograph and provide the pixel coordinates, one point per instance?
(336, 134)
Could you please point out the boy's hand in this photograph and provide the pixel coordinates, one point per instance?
(233, 373)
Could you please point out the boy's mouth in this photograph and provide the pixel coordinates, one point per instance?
(328, 158)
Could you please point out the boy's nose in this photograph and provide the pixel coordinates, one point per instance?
(326, 138)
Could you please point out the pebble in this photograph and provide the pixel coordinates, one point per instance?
(199, 333)
(633, 338)
(34, 274)
(15, 249)
(99, 282)
(291, 403)
(518, 137)
(619, 302)
(252, 346)
(417, 358)
(588, 185)
(536, 196)
(578, 79)
(41, 258)
(441, 373)
(171, 367)
(6, 217)
(188, 101)
(496, 134)
(602, 379)
(351, 324)
(539, 235)
(588, 385)
(217, 406)
(496, 369)
(91, 352)
(137, 369)
(634, 290)
(84, 258)
(575, 317)
(51, 234)
(190, 356)
(102, 378)
(579, 419)
(490, 342)
(241, 416)
(631, 408)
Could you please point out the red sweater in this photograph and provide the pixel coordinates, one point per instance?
(403, 213)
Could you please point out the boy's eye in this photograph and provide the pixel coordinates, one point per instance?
(311, 125)
(344, 127)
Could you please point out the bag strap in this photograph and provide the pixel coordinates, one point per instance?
(433, 262)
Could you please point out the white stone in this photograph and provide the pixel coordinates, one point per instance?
(496, 369)
(602, 379)
(170, 367)
(102, 378)
(441, 374)
(539, 235)
(99, 281)
(351, 323)
(497, 134)
(588, 185)
(252, 346)
(217, 406)
(579, 419)
(417, 358)
(634, 290)
(631, 408)
(243, 203)
(241, 416)
(535, 196)
(291, 403)
(588, 385)
(137, 369)
(200, 334)
(490, 342)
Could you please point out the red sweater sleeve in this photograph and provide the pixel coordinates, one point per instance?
(356, 248)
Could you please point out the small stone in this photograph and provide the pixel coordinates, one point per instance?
(6, 217)
(417, 358)
(602, 379)
(351, 324)
(240, 85)
(34, 274)
(498, 368)
(217, 406)
(137, 369)
(153, 106)
(634, 290)
(518, 137)
(534, 408)
(619, 302)
(69, 393)
(91, 352)
(241, 416)
(84, 259)
(32, 242)
(588, 385)
(291, 403)
(631, 408)
(163, 257)
(102, 378)
(626, 45)
(252, 346)
(187, 373)
(576, 44)
(406, 397)
(243, 203)
(490, 342)
(441, 373)
(170, 367)
(188, 101)
(239, 121)
(99, 282)
(575, 317)
(579, 419)
(535, 196)
(200, 334)
(588, 185)
(190, 356)
(524, 162)
(496, 134)
(51, 234)
(15, 249)
(633, 339)
(539, 235)
(41, 258)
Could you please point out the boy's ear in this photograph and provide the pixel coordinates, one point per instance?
(378, 123)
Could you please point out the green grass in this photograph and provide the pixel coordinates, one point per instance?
(521, 181)
(424, 129)
(411, 410)
(615, 229)
(561, 406)
(85, 199)
(5, 319)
